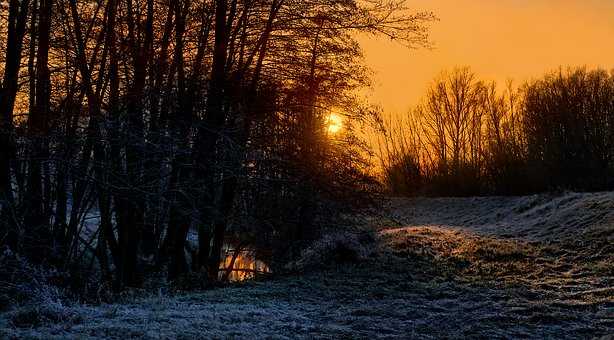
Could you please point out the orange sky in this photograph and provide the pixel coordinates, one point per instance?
(498, 39)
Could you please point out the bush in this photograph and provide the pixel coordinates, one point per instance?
(22, 283)
(335, 248)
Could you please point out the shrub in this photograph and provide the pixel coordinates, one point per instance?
(22, 283)
(335, 248)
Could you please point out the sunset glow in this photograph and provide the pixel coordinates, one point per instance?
(306, 169)
(499, 40)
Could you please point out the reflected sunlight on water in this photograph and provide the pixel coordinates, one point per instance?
(241, 266)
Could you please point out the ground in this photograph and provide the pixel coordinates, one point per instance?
(528, 267)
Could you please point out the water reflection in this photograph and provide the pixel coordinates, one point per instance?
(241, 263)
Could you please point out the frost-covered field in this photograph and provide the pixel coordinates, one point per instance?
(532, 267)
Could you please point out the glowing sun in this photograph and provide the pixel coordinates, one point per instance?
(334, 123)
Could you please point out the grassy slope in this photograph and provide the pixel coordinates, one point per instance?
(445, 268)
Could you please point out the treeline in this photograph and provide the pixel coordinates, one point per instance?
(125, 124)
(469, 137)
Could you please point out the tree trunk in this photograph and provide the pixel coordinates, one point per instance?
(18, 14)
(38, 120)
(208, 133)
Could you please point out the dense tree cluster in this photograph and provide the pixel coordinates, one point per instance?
(125, 124)
(469, 138)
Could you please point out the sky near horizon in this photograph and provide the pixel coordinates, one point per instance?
(498, 39)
